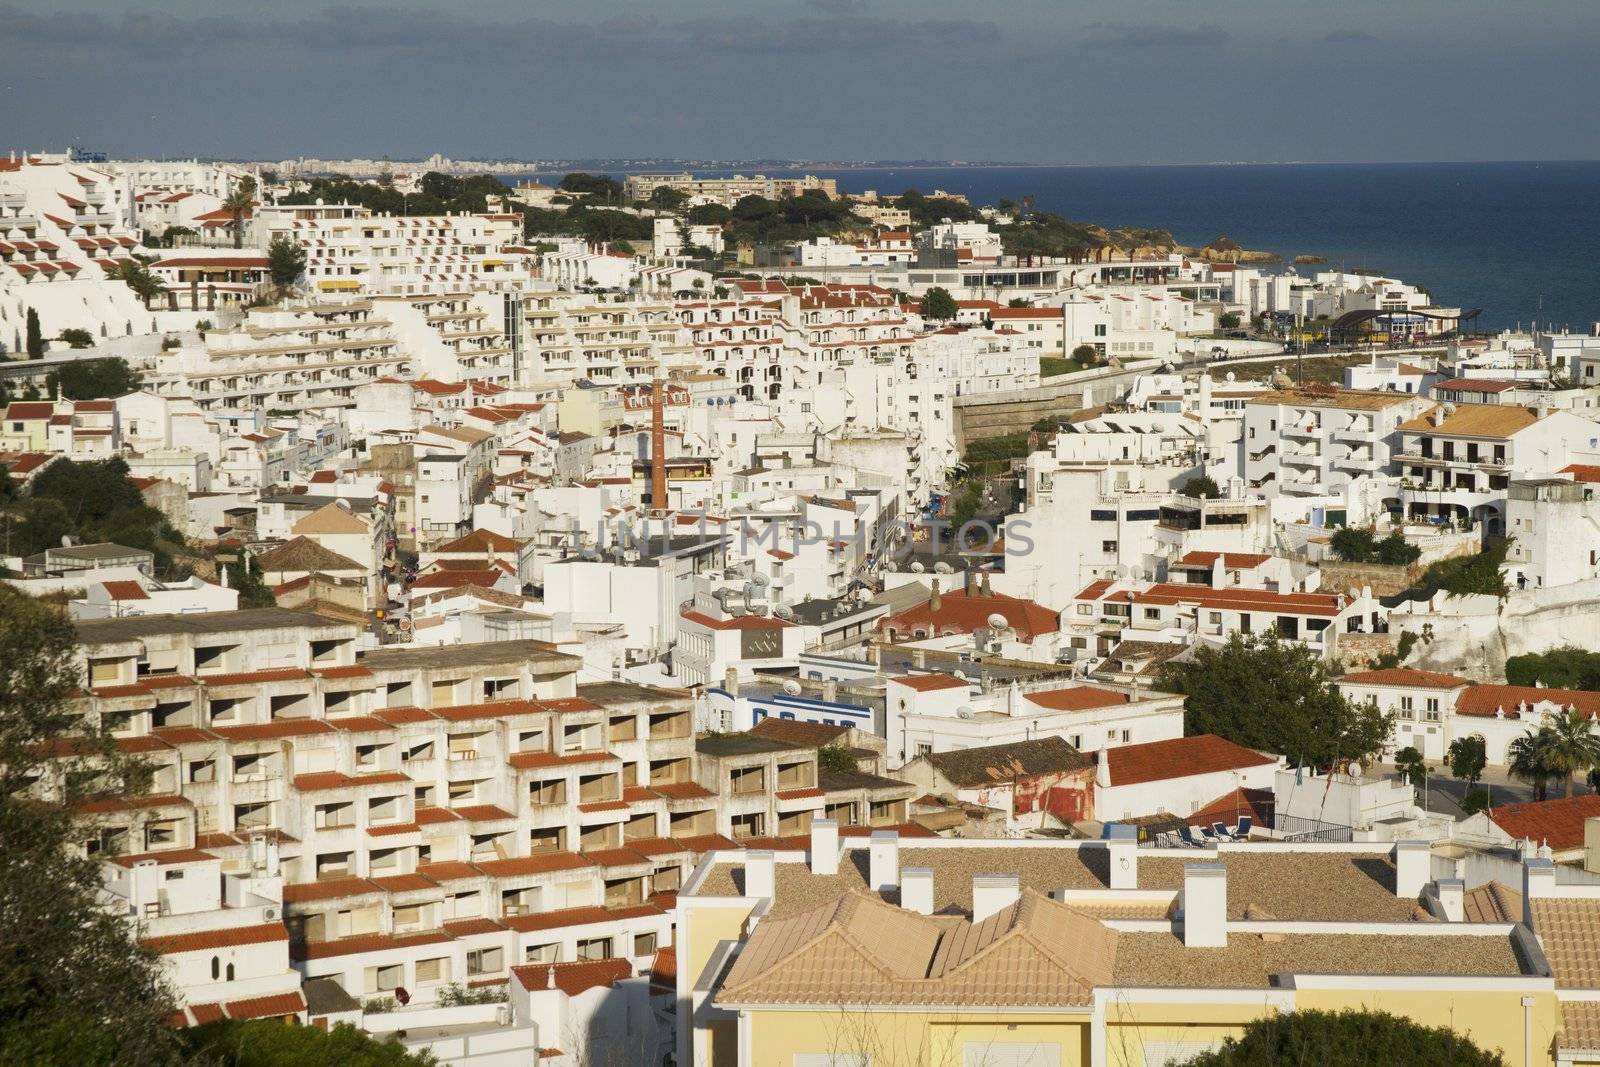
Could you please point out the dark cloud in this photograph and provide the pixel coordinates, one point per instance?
(1349, 37)
(1125, 35)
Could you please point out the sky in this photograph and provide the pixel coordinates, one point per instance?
(1061, 81)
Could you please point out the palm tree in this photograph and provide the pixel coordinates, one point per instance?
(140, 278)
(241, 200)
(1525, 759)
(1572, 746)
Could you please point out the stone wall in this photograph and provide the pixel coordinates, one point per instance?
(1382, 579)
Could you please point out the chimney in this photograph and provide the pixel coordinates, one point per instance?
(1413, 862)
(824, 846)
(969, 582)
(1102, 769)
(1205, 905)
(658, 446)
(983, 587)
(1123, 846)
(934, 602)
(1538, 880)
(730, 681)
(830, 690)
(992, 893)
(1591, 845)
(1452, 898)
(916, 890)
(883, 861)
(760, 873)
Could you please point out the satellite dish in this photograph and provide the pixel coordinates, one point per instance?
(964, 712)
(998, 621)
(792, 687)
(758, 580)
(943, 568)
(1354, 770)
(917, 567)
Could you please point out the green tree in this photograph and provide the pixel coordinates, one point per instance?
(1345, 1039)
(937, 303)
(286, 261)
(76, 338)
(1409, 762)
(1571, 746)
(1467, 757)
(246, 578)
(74, 985)
(1396, 551)
(266, 1043)
(1467, 575)
(1088, 355)
(1474, 801)
(1353, 544)
(1560, 668)
(1268, 693)
(1019, 302)
(1229, 320)
(1525, 760)
(1201, 487)
(34, 336)
(140, 278)
(836, 758)
(96, 379)
(239, 203)
(600, 187)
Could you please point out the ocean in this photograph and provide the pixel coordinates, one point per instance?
(1514, 239)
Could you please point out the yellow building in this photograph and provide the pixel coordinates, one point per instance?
(1104, 954)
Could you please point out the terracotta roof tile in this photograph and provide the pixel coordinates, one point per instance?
(572, 978)
(543, 863)
(1406, 676)
(207, 940)
(1558, 823)
(931, 683)
(266, 1007)
(1179, 758)
(1487, 699)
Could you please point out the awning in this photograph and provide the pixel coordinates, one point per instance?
(327, 284)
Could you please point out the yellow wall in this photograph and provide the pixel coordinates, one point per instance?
(1130, 1026)
(1493, 1020)
(706, 927)
(903, 1039)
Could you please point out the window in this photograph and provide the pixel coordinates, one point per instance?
(385, 979)
(596, 948)
(550, 953)
(923, 748)
(1108, 546)
(644, 944)
(485, 961)
(434, 970)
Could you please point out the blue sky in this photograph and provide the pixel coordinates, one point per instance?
(1137, 81)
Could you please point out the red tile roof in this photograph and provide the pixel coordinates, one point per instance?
(1582, 472)
(318, 781)
(930, 683)
(572, 978)
(125, 591)
(207, 940)
(1181, 757)
(1243, 560)
(1259, 804)
(266, 1007)
(1407, 677)
(1487, 699)
(1557, 823)
(543, 863)
(1077, 698)
(963, 612)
